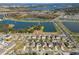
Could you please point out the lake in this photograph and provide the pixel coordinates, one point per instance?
(49, 26)
(72, 26)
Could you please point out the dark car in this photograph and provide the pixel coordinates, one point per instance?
(74, 53)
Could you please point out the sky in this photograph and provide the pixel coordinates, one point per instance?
(41, 6)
